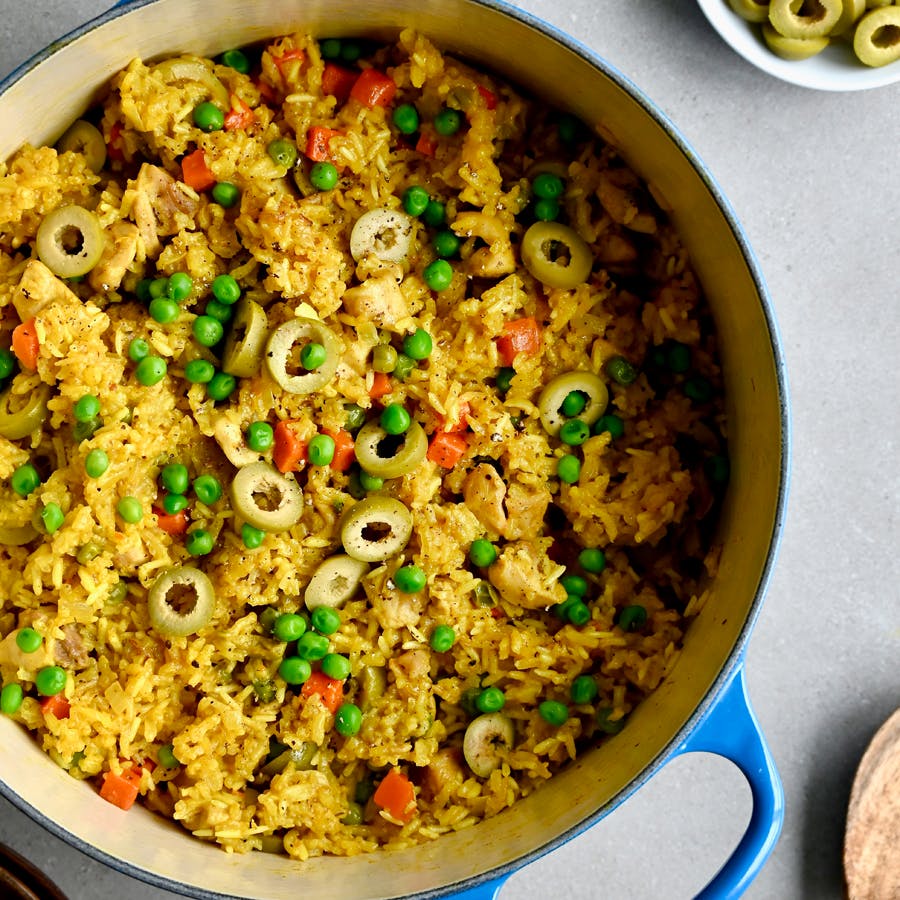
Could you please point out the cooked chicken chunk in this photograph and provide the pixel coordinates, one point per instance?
(378, 299)
(526, 577)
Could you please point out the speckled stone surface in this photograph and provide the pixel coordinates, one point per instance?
(812, 176)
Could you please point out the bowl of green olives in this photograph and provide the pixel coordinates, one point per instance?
(829, 45)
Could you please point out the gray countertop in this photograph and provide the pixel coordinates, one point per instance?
(812, 177)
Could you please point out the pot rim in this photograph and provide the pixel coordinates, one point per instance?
(736, 656)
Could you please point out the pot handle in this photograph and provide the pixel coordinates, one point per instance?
(731, 729)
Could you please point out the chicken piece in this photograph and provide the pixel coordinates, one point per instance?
(619, 193)
(412, 666)
(157, 199)
(444, 770)
(526, 577)
(38, 288)
(70, 652)
(119, 253)
(615, 250)
(484, 492)
(395, 609)
(497, 258)
(525, 510)
(15, 658)
(378, 299)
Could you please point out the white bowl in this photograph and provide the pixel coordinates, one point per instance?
(834, 69)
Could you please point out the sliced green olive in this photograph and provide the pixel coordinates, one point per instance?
(798, 19)
(84, 138)
(385, 232)
(265, 498)
(335, 581)
(556, 255)
(300, 758)
(372, 684)
(17, 535)
(876, 40)
(376, 528)
(851, 10)
(181, 601)
(184, 69)
(246, 340)
(556, 391)
(280, 355)
(21, 415)
(751, 10)
(70, 241)
(390, 456)
(483, 739)
(792, 48)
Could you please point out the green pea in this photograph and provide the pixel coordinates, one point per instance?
(395, 419)
(562, 609)
(698, 388)
(611, 423)
(226, 194)
(678, 357)
(330, 48)
(159, 287)
(138, 349)
(320, 450)
(620, 370)
(207, 489)
(384, 358)
(448, 121)
(347, 722)
(323, 176)
(442, 638)
(415, 200)
(226, 289)
(252, 537)
(569, 128)
(325, 619)
(180, 286)
(219, 311)
(25, 479)
(406, 118)
(52, 517)
(404, 367)
(50, 681)
(446, 244)
(312, 356)
(199, 371)
(583, 690)
(354, 488)
(547, 186)
(174, 477)
(491, 699)
(574, 432)
(165, 756)
(163, 310)
(130, 509)
(351, 51)
(237, 60)
(574, 404)
(208, 117)
(578, 613)
(142, 290)
(118, 592)
(199, 542)
(355, 416)
(410, 579)
(85, 430)
(482, 553)
(418, 345)
(295, 670)
(7, 363)
(221, 386)
(174, 503)
(554, 713)
(438, 275)
(546, 210)
(336, 666)
(96, 463)
(86, 408)
(87, 552)
(435, 214)
(632, 618)
(592, 559)
(607, 724)
(312, 646)
(370, 482)
(28, 640)
(568, 468)
(504, 378)
(151, 370)
(260, 436)
(289, 627)
(282, 152)
(207, 330)
(11, 698)
(717, 469)
(574, 584)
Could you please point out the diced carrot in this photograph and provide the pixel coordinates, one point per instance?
(121, 790)
(57, 705)
(396, 796)
(428, 143)
(114, 146)
(497, 612)
(266, 91)
(317, 143)
(195, 173)
(330, 690)
(462, 423)
(173, 524)
(373, 88)
(447, 448)
(338, 81)
(284, 59)
(381, 385)
(288, 450)
(344, 450)
(489, 97)
(519, 336)
(25, 344)
(240, 116)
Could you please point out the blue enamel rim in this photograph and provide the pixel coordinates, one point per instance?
(734, 660)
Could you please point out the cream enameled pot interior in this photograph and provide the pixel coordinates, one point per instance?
(38, 106)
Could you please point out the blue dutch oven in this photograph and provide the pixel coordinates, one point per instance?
(703, 704)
